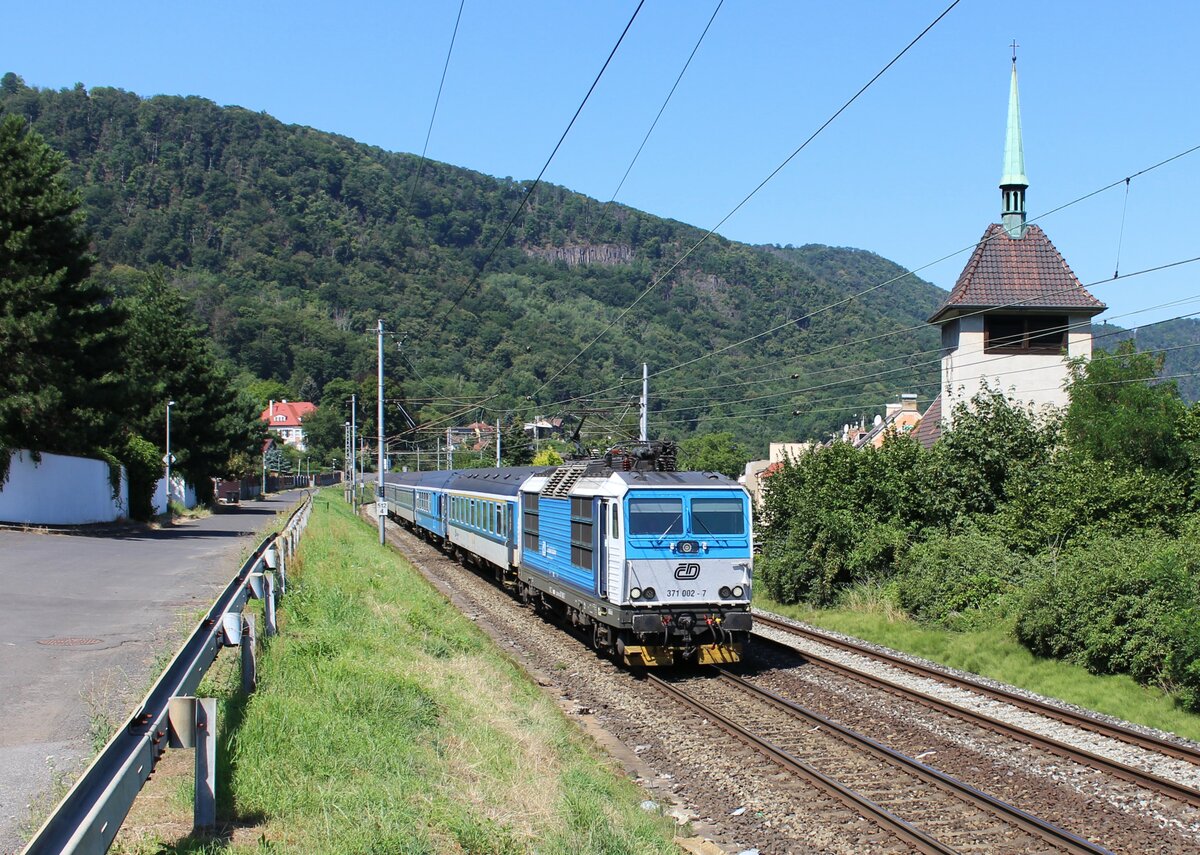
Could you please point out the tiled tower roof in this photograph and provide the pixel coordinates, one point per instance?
(1021, 273)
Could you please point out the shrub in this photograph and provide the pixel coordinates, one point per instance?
(1076, 499)
(774, 571)
(951, 579)
(1127, 606)
(144, 467)
(547, 457)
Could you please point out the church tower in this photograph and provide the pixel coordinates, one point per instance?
(1017, 313)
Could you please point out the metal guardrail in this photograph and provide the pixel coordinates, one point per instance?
(87, 819)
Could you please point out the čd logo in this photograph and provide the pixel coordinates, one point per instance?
(687, 571)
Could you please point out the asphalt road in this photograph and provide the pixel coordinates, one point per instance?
(87, 621)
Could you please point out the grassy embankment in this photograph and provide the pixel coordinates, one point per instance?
(385, 721)
(994, 652)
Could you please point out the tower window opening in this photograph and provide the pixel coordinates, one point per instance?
(1024, 334)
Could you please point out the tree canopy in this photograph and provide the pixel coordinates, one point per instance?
(91, 360)
(61, 333)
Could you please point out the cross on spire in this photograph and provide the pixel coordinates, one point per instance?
(1014, 50)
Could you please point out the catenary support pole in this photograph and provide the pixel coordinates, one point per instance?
(354, 451)
(379, 499)
(645, 401)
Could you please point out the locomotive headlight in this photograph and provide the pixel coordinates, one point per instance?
(725, 593)
(635, 593)
(649, 592)
(738, 590)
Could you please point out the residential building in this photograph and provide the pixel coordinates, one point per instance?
(898, 417)
(286, 419)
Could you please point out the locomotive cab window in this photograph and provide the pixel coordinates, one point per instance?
(718, 516)
(655, 516)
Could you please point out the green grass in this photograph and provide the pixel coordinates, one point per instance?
(386, 722)
(994, 652)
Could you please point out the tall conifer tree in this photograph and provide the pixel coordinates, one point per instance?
(60, 333)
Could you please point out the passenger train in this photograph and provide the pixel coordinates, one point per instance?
(653, 567)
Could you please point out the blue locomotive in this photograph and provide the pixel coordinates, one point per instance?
(653, 567)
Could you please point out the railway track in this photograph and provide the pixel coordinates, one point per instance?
(709, 778)
(1132, 774)
(931, 811)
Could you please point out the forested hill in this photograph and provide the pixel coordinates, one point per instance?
(1176, 340)
(292, 242)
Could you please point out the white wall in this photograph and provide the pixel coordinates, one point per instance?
(1037, 380)
(181, 493)
(60, 490)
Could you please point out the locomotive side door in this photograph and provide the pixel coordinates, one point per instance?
(613, 552)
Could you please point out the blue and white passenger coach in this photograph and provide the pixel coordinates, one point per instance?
(654, 567)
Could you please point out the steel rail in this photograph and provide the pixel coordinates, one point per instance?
(1081, 720)
(1116, 768)
(91, 813)
(1038, 827)
(855, 801)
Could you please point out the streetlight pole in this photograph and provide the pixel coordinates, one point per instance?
(167, 461)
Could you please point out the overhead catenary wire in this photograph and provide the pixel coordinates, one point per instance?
(838, 402)
(666, 101)
(1014, 304)
(1067, 327)
(991, 361)
(436, 101)
(454, 416)
(842, 408)
(654, 284)
(862, 293)
(657, 373)
(1121, 233)
(470, 286)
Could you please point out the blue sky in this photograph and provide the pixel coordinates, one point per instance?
(909, 171)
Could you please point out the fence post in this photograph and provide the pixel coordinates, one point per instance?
(269, 604)
(249, 665)
(193, 724)
(204, 814)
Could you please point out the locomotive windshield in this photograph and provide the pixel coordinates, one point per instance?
(656, 516)
(718, 516)
(659, 516)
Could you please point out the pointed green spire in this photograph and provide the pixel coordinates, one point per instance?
(1014, 152)
(1013, 182)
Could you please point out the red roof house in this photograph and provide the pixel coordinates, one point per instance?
(286, 418)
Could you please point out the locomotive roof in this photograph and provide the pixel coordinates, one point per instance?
(676, 479)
